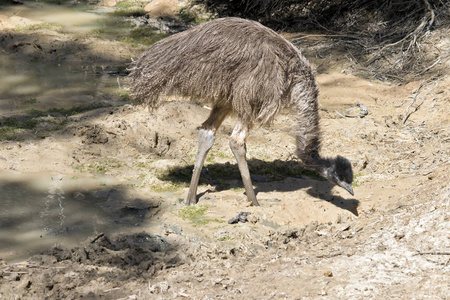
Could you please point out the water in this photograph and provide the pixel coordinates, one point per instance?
(71, 18)
(45, 85)
(42, 210)
(39, 83)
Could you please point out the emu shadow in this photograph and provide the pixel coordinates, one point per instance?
(266, 177)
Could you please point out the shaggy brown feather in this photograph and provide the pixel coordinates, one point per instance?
(227, 62)
(243, 67)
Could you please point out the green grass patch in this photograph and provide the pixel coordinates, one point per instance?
(112, 28)
(226, 239)
(196, 214)
(60, 1)
(35, 112)
(124, 94)
(39, 123)
(99, 167)
(30, 101)
(356, 182)
(125, 4)
(189, 17)
(216, 154)
(103, 166)
(10, 134)
(128, 12)
(19, 123)
(140, 36)
(14, 128)
(143, 35)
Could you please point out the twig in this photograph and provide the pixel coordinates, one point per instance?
(433, 253)
(340, 114)
(329, 255)
(97, 237)
(323, 35)
(27, 265)
(432, 66)
(431, 22)
(412, 102)
(15, 265)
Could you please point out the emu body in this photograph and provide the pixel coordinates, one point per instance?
(244, 68)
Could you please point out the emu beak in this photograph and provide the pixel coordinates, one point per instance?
(347, 187)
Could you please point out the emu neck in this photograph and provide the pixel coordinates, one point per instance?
(308, 133)
(314, 161)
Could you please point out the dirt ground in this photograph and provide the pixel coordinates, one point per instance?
(308, 239)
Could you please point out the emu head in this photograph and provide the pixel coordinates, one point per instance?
(339, 171)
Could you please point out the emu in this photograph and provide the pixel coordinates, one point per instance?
(243, 68)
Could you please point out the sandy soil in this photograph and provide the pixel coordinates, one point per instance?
(307, 240)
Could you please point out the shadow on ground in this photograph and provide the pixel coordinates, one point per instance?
(266, 177)
(37, 214)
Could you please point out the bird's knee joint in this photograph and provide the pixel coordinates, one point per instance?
(207, 137)
(239, 136)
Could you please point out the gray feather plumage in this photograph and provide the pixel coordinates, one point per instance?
(241, 67)
(227, 62)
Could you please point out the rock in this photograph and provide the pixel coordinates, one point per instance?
(399, 235)
(161, 8)
(159, 288)
(79, 196)
(240, 217)
(172, 229)
(252, 218)
(108, 3)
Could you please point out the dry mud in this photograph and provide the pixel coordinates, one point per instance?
(308, 239)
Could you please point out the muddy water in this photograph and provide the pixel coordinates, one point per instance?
(37, 85)
(71, 18)
(42, 210)
(40, 84)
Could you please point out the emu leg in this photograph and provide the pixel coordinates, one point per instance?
(206, 140)
(237, 145)
(240, 152)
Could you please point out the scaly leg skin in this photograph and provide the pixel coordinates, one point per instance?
(237, 145)
(206, 140)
